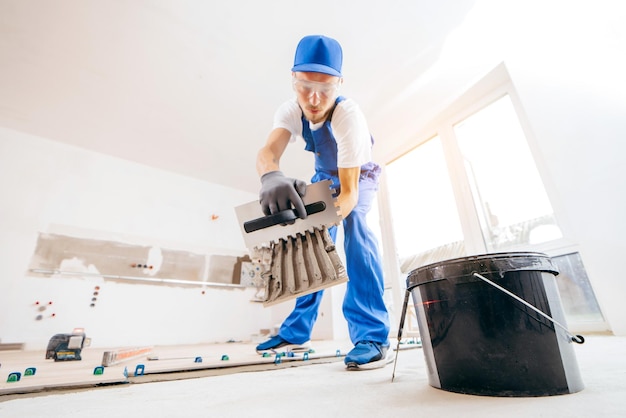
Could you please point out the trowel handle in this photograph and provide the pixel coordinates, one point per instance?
(283, 217)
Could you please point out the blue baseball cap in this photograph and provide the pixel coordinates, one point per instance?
(318, 54)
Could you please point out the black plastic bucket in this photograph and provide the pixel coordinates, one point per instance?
(479, 340)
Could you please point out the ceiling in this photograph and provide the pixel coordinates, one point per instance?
(190, 86)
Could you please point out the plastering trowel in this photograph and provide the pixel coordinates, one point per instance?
(296, 256)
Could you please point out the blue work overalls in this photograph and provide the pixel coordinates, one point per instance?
(363, 305)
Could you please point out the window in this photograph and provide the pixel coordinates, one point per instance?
(424, 214)
(474, 188)
(579, 301)
(509, 197)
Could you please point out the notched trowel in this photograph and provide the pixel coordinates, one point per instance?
(298, 258)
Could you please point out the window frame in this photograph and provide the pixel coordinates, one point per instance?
(490, 88)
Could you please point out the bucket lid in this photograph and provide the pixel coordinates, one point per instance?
(498, 263)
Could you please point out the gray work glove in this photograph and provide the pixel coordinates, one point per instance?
(279, 193)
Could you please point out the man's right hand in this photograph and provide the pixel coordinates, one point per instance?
(279, 193)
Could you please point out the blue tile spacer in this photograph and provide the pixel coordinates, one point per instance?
(198, 360)
(305, 356)
(126, 372)
(338, 353)
(140, 369)
(278, 359)
(290, 354)
(30, 371)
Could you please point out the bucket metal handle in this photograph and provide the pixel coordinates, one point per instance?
(579, 339)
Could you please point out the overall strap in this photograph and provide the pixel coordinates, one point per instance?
(306, 129)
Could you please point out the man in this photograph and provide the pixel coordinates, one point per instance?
(334, 128)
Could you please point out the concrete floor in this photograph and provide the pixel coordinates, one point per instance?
(328, 390)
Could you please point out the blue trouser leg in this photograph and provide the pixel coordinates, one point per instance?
(363, 305)
(298, 326)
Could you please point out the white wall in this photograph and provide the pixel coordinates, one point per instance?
(566, 60)
(46, 186)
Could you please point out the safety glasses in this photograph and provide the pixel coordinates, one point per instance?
(308, 88)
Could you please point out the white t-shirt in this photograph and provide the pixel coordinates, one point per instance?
(354, 144)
